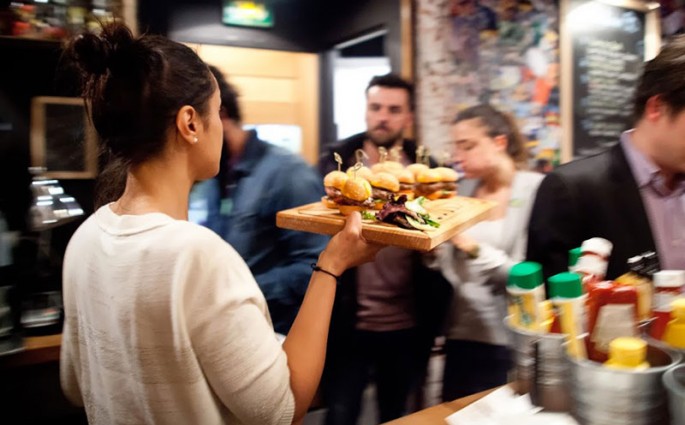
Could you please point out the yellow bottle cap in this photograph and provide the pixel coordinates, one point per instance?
(627, 351)
(678, 308)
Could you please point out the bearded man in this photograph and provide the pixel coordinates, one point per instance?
(388, 312)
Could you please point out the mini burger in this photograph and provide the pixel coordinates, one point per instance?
(333, 184)
(407, 181)
(436, 183)
(356, 196)
(363, 172)
(417, 168)
(384, 187)
(392, 167)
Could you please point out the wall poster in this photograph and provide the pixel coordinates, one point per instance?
(502, 52)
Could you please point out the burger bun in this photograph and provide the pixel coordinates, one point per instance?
(363, 172)
(447, 174)
(349, 209)
(385, 180)
(429, 176)
(335, 179)
(356, 188)
(417, 168)
(328, 203)
(406, 176)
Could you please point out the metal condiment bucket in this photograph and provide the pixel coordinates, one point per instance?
(603, 396)
(523, 364)
(539, 367)
(550, 374)
(674, 381)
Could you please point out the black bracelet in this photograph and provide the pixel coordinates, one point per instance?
(316, 268)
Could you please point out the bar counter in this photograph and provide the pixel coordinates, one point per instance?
(436, 415)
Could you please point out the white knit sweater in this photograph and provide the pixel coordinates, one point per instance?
(166, 325)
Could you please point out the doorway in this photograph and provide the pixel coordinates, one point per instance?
(352, 65)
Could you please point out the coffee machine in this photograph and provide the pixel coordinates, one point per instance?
(41, 296)
(10, 335)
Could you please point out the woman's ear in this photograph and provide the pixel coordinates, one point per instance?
(188, 124)
(501, 142)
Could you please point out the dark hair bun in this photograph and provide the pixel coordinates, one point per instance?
(91, 53)
(121, 47)
(95, 54)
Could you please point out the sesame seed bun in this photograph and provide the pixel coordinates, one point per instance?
(335, 179)
(406, 176)
(447, 174)
(364, 172)
(349, 209)
(379, 167)
(417, 168)
(357, 189)
(429, 176)
(393, 166)
(328, 203)
(386, 181)
(435, 195)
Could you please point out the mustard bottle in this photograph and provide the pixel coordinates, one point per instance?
(675, 330)
(627, 353)
(526, 292)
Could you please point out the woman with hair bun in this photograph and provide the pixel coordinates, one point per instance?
(163, 321)
(493, 157)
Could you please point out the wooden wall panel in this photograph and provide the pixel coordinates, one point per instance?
(255, 62)
(270, 113)
(264, 89)
(276, 87)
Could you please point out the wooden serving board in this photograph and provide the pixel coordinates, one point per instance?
(454, 215)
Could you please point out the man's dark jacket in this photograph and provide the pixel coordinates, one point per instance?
(591, 197)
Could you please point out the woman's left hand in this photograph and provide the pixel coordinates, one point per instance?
(466, 244)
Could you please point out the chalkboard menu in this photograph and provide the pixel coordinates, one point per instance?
(608, 50)
(65, 137)
(62, 138)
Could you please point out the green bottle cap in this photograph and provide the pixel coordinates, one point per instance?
(565, 285)
(525, 275)
(573, 256)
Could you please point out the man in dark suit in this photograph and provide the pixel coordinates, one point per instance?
(633, 194)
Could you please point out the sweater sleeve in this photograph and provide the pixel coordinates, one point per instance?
(69, 350)
(493, 264)
(236, 346)
(68, 361)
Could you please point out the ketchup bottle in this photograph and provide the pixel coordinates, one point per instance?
(612, 313)
(668, 286)
(593, 261)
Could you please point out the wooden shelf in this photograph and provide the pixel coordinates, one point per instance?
(37, 350)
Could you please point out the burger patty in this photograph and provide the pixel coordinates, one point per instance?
(383, 194)
(336, 196)
(406, 186)
(367, 203)
(428, 188)
(332, 192)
